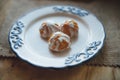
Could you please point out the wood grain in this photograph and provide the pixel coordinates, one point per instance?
(14, 69)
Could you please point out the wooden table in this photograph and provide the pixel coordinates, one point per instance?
(15, 69)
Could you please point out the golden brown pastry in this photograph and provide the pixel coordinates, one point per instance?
(47, 29)
(70, 27)
(59, 42)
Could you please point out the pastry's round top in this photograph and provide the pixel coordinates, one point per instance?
(47, 29)
(70, 27)
(59, 42)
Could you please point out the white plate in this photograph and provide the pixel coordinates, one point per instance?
(25, 40)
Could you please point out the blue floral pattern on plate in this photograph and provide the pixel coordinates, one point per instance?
(15, 32)
(73, 10)
(88, 51)
(16, 39)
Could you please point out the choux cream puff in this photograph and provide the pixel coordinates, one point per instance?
(59, 42)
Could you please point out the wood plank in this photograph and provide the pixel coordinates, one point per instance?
(14, 69)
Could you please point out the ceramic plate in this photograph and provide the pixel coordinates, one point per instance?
(25, 40)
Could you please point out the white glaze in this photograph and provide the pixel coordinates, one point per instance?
(71, 24)
(51, 29)
(60, 39)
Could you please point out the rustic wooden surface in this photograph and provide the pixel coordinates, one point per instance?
(15, 69)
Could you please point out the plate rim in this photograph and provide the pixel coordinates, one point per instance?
(53, 67)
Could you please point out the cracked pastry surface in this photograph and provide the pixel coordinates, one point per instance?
(70, 27)
(47, 29)
(59, 42)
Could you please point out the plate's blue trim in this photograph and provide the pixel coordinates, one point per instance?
(56, 68)
(88, 51)
(73, 10)
(15, 32)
